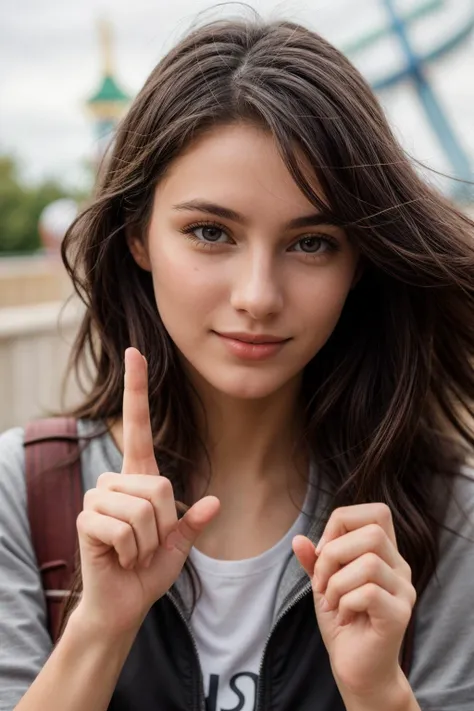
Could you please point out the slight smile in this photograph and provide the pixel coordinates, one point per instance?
(250, 346)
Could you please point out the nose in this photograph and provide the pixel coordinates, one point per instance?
(256, 289)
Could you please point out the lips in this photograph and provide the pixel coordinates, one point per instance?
(252, 337)
(252, 346)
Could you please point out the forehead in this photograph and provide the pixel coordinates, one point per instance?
(238, 166)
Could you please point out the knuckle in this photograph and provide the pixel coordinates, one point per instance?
(81, 522)
(333, 589)
(383, 513)
(375, 535)
(122, 534)
(407, 571)
(163, 487)
(337, 515)
(371, 593)
(89, 499)
(103, 480)
(328, 555)
(406, 611)
(143, 509)
(412, 596)
(371, 564)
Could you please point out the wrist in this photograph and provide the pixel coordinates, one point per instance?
(82, 625)
(393, 696)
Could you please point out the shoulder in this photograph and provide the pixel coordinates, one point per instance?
(459, 519)
(12, 465)
(444, 640)
(98, 454)
(11, 444)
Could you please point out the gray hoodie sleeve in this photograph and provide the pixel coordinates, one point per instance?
(442, 673)
(24, 640)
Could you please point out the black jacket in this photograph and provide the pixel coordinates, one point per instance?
(162, 672)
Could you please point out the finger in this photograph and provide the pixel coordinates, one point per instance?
(138, 513)
(103, 531)
(138, 451)
(192, 524)
(350, 518)
(305, 553)
(158, 490)
(369, 568)
(377, 603)
(343, 550)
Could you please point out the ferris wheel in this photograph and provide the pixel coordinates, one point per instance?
(414, 34)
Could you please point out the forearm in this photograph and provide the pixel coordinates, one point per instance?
(81, 672)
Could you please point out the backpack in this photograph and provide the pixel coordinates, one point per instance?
(54, 499)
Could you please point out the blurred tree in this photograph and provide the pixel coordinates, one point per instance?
(21, 206)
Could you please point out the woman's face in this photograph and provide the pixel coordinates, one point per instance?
(248, 284)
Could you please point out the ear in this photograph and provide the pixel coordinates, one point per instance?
(139, 251)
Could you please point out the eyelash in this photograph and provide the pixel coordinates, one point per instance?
(332, 244)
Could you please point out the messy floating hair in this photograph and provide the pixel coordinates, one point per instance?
(389, 398)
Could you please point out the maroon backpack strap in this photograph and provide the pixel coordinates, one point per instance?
(54, 500)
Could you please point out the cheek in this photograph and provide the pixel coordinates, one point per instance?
(321, 299)
(182, 283)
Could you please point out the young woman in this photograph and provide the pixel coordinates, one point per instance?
(296, 309)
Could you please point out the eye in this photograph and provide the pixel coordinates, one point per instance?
(315, 244)
(206, 233)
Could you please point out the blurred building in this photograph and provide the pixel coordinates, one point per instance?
(37, 326)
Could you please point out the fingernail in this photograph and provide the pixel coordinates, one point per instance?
(320, 545)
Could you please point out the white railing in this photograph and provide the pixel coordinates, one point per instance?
(35, 343)
(32, 279)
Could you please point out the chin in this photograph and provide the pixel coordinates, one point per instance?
(246, 386)
(240, 382)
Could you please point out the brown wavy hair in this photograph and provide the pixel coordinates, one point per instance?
(389, 398)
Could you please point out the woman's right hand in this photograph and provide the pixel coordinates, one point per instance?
(132, 545)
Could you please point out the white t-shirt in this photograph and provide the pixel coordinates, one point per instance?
(233, 616)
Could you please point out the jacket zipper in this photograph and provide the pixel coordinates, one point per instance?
(201, 699)
(287, 606)
(290, 605)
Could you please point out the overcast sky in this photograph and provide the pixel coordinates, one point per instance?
(50, 64)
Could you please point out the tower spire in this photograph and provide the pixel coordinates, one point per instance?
(106, 41)
(109, 102)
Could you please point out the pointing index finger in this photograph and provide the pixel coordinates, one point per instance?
(138, 451)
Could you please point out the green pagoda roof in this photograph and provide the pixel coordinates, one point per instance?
(109, 91)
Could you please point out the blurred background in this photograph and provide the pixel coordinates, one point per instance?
(68, 72)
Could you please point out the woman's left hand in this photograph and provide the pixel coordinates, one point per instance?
(363, 597)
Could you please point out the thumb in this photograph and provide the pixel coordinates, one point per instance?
(192, 524)
(305, 553)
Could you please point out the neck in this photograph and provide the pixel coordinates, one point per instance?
(251, 444)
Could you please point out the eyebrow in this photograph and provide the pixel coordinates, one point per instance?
(226, 213)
